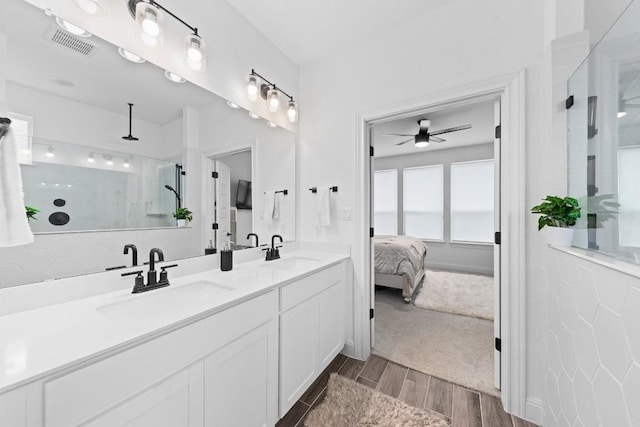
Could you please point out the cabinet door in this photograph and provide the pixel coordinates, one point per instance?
(241, 380)
(298, 352)
(13, 408)
(330, 323)
(166, 403)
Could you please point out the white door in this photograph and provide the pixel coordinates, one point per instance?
(222, 203)
(496, 247)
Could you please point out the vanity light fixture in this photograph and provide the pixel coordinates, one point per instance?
(131, 56)
(92, 7)
(109, 160)
(71, 28)
(174, 77)
(149, 14)
(49, 152)
(232, 105)
(126, 164)
(90, 158)
(271, 93)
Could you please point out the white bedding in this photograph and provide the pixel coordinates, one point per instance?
(402, 256)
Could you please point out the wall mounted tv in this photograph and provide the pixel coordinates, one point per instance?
(243, 195)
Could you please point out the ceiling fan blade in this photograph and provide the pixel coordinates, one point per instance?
(397, 134)
(453, 129)
(436, 139)
(404, 142)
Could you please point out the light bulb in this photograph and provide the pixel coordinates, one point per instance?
(252, 88)
(91, 159)
(194, 52)
(130, 56)
(73, 29)
(272, 98)
(292, 112)
(49, 152)
(422, 144)
(126, 164)
(109, 160)
(150, 20)
(174, 77)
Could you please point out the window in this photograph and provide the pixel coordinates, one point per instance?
(472, 189)
(22, 127)
(424, 202)
(385, 202)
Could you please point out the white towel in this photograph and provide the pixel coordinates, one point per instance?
(323, 207)
(269, 205)
(14, 226)
(277, 199)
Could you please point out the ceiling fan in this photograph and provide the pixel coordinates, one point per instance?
(423, 137)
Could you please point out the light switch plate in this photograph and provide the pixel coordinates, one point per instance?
(345, 214)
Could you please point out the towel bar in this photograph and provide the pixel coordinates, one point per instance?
(285, 192)
(333, 189)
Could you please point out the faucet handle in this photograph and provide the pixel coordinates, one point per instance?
(163, 274)
(130, 273)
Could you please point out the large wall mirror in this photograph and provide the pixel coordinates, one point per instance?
(103, 174)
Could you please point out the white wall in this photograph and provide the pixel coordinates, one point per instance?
(445, 255)
(462, 43)
(600, 15)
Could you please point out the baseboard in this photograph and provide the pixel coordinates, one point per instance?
(349, 349)
(459, 267)
(534, 411)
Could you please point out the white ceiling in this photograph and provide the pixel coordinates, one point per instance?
(307, 30)
(104, 79)
(479, 116)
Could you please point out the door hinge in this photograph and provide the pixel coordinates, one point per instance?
(498, 344)
(371, 232)
(371, 313)
(214, 175)
(497, 237)
(371, 150)
(214, 226)
(569, 102)
(498, 132)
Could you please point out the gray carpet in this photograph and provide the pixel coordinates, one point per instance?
(350, 404)
(455, 348)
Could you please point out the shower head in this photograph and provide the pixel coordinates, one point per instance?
(170, 188)
(130, 137)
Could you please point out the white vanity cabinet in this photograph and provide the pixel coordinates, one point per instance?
(198, 375)
(311, 330)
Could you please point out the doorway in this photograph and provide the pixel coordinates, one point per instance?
(435, 192)
(510, 90)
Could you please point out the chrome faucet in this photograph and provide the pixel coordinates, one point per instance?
(273, 252)
(134, 253)
(254, 235)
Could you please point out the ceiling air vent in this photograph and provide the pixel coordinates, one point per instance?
(66, 40)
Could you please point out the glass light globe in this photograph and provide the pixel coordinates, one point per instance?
(252, 88)
(272, 98)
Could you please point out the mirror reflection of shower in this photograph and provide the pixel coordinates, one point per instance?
(176, 189)
(178, 201)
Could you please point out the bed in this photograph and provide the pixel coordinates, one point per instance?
(399, 263)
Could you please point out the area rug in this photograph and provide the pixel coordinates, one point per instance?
(455, 348)
(350, 404)
(457, 293)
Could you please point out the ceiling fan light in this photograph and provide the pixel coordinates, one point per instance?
(252, 88)
(421, 144)
(273, 100)
(421, 140)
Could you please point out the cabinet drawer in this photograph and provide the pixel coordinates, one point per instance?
(303, 289)
(81, 395)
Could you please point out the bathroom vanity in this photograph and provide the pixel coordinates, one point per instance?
(215, 348)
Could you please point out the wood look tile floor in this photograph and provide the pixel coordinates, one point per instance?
(461, 406)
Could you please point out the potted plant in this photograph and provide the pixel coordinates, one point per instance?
(31, 212)
(559, 214)
(183, 215)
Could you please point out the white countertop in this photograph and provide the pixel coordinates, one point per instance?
(40, 342)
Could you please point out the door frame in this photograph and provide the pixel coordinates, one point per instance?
(511, 91)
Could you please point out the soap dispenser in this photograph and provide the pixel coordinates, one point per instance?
(210, 250)
(226, 257)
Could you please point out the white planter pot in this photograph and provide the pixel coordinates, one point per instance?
(182, 223)
(559, 236)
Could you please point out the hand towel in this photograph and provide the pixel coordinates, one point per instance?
(14, 226)
(277, 199)
(323, 207)
(269, 205)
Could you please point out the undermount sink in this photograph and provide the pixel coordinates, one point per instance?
(292, 263)
(181, 299)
